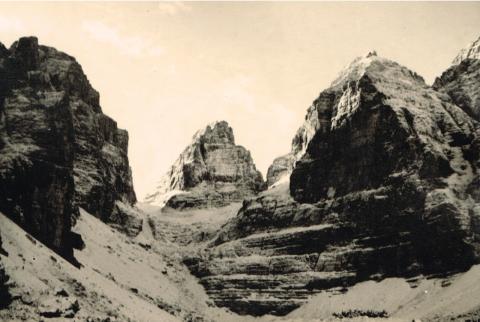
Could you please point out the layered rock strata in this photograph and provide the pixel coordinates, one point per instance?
(388, 186)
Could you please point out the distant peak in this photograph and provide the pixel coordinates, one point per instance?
(472, 51)
(219, 125)
(371, 54)
(216, 131)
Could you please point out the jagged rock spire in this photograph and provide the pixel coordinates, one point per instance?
(212, 169)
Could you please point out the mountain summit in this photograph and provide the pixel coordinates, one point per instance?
(211, 171)
(319, 114)
(384, 183)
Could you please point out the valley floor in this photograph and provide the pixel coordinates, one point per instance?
(143, 279)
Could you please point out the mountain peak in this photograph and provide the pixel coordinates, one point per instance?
(376, 67)
(216, 132)
(472, 51)
(211, 171)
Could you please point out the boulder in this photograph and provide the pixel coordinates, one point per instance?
(56, 307)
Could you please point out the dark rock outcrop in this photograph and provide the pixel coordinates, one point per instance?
(283, 165)
(101, 170)
(211, 172)
(461, 80)
(57, 149)
(36, 147)
(5, 296)
(387, 186)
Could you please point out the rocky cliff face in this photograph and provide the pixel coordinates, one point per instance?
(388, 185)
(211, 171)
(37, 146)
(461, 80)
(316, 118)
(57, 150)
(101, 170)
(5, 296)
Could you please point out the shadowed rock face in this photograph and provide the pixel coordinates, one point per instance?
(5, 296)
(461, 80)
(36, 147)
(388, 186)
(57, 150)
(211, 171)
(317, 115)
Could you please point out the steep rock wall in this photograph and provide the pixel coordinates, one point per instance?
(58, 150)
(387, 186)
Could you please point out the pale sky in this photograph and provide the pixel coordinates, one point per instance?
(165, 70)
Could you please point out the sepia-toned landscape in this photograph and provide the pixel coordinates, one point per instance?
(368, 211)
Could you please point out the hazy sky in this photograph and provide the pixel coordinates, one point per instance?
(164, 70)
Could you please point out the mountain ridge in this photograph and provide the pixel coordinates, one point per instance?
(386, 187)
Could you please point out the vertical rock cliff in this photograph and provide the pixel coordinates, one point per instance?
(5, 296)
(386, 185)
(211, 171)
(58, 150)
(317, 117)
(37, 146)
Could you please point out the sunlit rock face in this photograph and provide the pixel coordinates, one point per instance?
(58, 150)
(461, 80)
(211, 172)
(388, 185)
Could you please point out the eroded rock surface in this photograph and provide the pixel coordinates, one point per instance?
(282, 167)
(36, 146)
(4, 293)
(461, 80)
(387, 186)
(58, 150)
(211, 172)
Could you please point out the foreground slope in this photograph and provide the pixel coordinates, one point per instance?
(43, 284)
(123, 278)
(388, 186)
